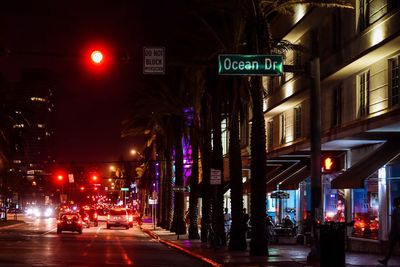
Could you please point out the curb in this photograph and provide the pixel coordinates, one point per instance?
(11, 225)
(172, 244)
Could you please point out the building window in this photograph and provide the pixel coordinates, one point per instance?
(297, 122)
(270, 135)
(394, 81)
(337, 106)
(224, 136)
(282, 130)
(363, 94)
(18, 125)
(373, 10)
(38, 99)
(244, 126)
(366, 210)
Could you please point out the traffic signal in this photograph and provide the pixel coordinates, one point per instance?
(97, 57)
(331, 164)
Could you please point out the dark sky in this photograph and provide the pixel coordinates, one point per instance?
(57, 35)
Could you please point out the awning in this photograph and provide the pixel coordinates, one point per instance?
(293, 181)
(271, 169)
(289, 168)
(354, 177)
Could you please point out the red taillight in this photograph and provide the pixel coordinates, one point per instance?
(80, 222)
(95, 215)
(58, 221)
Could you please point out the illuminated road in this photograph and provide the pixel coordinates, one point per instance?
(37, 244)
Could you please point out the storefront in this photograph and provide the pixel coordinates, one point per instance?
(369, 187)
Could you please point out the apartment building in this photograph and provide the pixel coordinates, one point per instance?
(359, 55)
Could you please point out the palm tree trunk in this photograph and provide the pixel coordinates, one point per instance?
(194, 182)
(168, 187)
(238, 231)
(259, 242)
(217, 163)
(206, 162)
(179, 180)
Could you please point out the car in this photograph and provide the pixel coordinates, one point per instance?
(85, 218)
(93, 217)
(131, 217)
(69, 221)
(118, 218)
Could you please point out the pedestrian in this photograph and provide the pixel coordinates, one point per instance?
(394, 233)
(269, 228)
(246, 219)
(227, 220)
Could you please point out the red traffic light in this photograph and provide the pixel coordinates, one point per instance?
(97, 57)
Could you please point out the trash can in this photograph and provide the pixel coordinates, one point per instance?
(332, 244)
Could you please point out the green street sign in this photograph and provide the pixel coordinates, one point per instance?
(237, 64)
(124, 189)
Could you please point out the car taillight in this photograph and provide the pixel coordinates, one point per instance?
(58, 221)
(80, 222)
(95, 215)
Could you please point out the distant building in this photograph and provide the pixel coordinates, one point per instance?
(33, 105)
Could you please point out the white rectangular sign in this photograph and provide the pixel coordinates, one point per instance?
(215, 178)
(154, 60)
(71, 178)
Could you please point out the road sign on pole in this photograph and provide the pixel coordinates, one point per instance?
(154, 60)
(237, 64)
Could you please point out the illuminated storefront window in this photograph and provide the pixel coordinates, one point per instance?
(366, 210)
(334, 200)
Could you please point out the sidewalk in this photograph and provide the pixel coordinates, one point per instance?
(280, 255)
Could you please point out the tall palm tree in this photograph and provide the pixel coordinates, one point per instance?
(237, 239)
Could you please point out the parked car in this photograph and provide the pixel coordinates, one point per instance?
(118, 218)
(69, 221)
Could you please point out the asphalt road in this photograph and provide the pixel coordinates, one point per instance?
(36, 243)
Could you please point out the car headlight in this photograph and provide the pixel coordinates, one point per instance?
(48, 212)
(29, 211)
(36, 212)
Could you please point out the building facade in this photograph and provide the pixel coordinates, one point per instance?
(359, 55)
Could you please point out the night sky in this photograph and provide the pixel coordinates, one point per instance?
(90, 105)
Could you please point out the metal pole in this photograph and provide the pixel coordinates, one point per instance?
(315, 143)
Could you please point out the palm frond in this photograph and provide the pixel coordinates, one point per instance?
(284, 46)
(286, 7)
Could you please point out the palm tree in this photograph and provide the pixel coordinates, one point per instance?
(237, 239)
